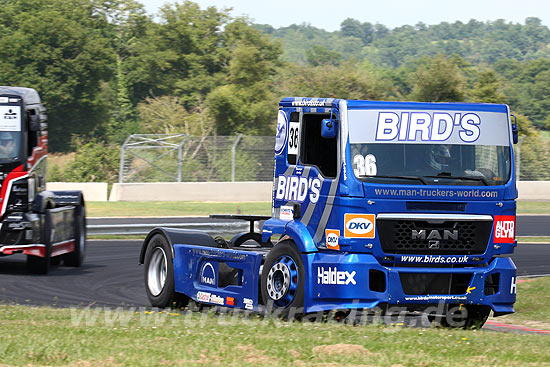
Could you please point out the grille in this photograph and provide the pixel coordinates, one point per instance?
(434, 237)
(430, 283)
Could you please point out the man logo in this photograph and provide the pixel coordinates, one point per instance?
(359, 225)
(332, 236)
(208, 274)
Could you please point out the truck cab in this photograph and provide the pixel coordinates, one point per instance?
(46, 226)
(398, 203)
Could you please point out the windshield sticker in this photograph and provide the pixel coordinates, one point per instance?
(450, 127)
(364, 166)
(282, 128)
(10, 118)
(454, 194)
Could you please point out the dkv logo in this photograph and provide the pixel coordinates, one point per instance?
(359, 225)
(332, 236)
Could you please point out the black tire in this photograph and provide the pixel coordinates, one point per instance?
(477, 316)
(37, 264)
(55, 261)
(159, 274)
(474, 317)
(283, 300)
(76, 258)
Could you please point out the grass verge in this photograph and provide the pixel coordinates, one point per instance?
(533, 207)
(189, 208)
(533, 239)
(172, 208)
(531, 307)
(36, 336)
(45, 336)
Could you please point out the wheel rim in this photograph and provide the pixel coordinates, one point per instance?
(156, 273)
(282, 281)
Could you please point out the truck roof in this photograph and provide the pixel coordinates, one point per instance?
(365, 104)
(29, 95)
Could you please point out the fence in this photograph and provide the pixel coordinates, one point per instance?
(184, 158)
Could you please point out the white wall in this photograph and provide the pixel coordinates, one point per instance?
(192, 191)
(93, 191)
(222, 191)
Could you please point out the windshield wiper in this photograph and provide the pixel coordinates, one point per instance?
(469, 178)
(415, 178)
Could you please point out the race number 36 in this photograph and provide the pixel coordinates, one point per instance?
(293, 137)
(365, 166)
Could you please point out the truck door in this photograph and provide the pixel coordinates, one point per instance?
(318, 162)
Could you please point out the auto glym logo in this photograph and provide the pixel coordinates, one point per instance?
(295, 188)
(505, 229)
(208, 274)
(332, 276)
(332, 236)
(437, 127)
(359, 225)
(282, 132)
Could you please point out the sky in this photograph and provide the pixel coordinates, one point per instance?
(392, 13)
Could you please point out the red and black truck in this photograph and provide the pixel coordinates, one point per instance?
(47, 226)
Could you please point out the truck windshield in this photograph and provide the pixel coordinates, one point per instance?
(431, 147)
(10, 132)
(432, 163)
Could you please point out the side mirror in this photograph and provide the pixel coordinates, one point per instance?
(515, 130)
(34, 122)
(328, 128)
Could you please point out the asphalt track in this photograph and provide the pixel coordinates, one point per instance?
(112, 277)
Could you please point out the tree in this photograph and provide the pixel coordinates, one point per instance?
(438, 80)
(245, 102)
(319, 55)
(59, 48)
(487, 88)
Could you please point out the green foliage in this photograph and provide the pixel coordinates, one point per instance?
(535, 155)
(438, 80)
(93, 162)
(488, 88)
(319, 55)
(59, 48)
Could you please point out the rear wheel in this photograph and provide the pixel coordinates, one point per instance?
(282, 282)
(159, 274)
(37, 264)
(76, 258)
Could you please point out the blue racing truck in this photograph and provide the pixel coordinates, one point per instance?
(375, 205)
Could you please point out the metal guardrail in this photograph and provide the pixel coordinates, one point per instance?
(142, 229)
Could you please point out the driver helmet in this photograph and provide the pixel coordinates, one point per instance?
(439, 157)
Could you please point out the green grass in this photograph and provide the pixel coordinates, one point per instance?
(38, 336)
(533, 207)
(533, 239)
(188, 208)
(531, 307)
(172, 208)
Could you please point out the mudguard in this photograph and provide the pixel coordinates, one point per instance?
(176, 235)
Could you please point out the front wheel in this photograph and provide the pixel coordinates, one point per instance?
(283, 278)
(159, 274)
(467, 317)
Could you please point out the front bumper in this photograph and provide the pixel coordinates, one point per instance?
(351, 281)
